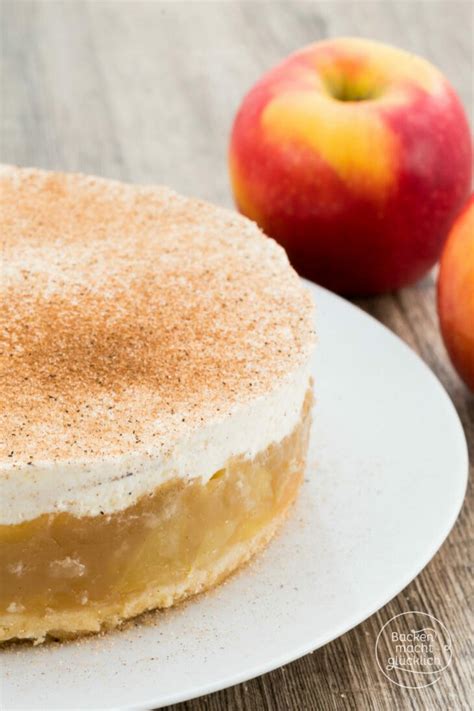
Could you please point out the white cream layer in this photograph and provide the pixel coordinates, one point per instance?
(87, 488)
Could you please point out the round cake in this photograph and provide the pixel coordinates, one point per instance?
(155, 398)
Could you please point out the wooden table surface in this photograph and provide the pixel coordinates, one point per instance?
(146, 91)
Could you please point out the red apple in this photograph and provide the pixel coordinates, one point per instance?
(456, 294)
(356, 157)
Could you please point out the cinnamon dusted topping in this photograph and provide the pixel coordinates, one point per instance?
(131, 315)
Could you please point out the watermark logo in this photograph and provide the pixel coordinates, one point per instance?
(413, 649)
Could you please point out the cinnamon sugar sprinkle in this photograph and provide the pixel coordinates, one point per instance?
(130, 314)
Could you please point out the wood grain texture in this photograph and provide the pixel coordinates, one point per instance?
(146, 91)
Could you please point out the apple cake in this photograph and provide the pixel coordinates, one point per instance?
(155, 398)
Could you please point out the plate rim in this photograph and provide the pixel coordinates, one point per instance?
(450, 520)
(233, 680)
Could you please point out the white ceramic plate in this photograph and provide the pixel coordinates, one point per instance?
(385, 482)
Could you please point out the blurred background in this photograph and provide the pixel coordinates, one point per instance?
(146, 91)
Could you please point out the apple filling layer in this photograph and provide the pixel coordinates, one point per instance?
(62, 575)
